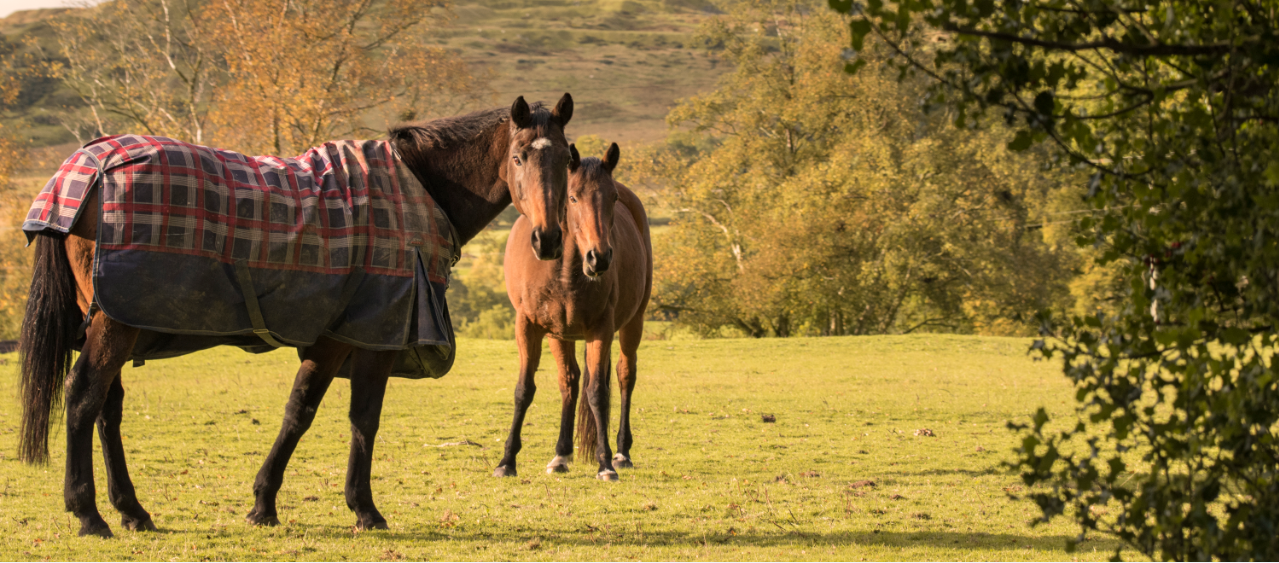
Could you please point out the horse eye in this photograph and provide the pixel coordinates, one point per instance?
(517, 160)
(572, 199)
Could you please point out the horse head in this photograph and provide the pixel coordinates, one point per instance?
(592, 196)
(536, 170)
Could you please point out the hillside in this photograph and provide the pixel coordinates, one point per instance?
(626, 62)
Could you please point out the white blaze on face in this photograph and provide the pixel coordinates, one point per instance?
(541, 143)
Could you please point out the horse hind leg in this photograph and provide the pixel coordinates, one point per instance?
(119, 486)
(570, 375)
(629, 339)
(88, 386)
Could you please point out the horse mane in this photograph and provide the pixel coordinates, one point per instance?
(451, 133)
(453, 159)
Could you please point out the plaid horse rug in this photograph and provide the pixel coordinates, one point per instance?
(202, 247)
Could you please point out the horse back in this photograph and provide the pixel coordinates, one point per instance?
(628, 199)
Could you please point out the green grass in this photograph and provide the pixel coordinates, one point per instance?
(712, 481)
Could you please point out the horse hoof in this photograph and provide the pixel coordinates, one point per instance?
(622, 462)
(96, 527)
(138, 524)
(371, 524)
(504, 471)
(256, 518)
(558, 465)
(607, 475)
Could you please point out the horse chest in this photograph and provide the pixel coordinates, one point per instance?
(571, 315)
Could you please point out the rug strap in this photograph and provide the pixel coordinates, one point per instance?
(251, 301)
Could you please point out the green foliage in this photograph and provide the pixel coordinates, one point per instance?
(712, 481)
(478, 304)
(1172, 107)
(808, 201)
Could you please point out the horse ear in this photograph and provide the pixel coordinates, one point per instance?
(575, 158)
(611, 157)
(521, 115)
(563, 109)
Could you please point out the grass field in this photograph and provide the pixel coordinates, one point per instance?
(712, 481)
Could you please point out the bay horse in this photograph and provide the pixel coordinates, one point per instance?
(473, 166)
(600, 285)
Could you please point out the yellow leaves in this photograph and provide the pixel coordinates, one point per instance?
(302, 72)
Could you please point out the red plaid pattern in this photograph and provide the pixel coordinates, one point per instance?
(341, 205)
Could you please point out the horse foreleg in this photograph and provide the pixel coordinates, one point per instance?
(119, 485)
(106, 348)
(319, 365)
(629, 337)
(368, 388)
(598, 352)
(528, 337)
(570, 374)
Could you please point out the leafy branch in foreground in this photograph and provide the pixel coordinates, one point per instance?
(1172, 106)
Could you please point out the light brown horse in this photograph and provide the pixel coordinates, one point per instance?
(473, 166)
(600, 285)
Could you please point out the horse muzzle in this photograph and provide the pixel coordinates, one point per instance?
(597, 262)
(548, 244)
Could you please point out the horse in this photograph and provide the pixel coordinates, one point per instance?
(473, 166)
(600, 285)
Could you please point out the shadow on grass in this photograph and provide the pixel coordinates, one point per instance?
(795, 538)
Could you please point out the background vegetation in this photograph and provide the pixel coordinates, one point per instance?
(1172, 108)
(789, 198)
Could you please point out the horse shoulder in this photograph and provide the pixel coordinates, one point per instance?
(515, 264)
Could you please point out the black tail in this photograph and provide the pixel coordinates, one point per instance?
(587, 431)
(47, 339)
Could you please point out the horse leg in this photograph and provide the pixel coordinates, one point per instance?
(528, 337)
(598, 352)
(368, 388)
(569, 375)
(119, 485)
(106, 348)
(629, 337)
(319, 365)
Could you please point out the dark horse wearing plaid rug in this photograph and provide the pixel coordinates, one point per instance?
(473, 166)
(600, 285)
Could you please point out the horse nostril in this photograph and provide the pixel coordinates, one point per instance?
(602, 260)
(591, 257)
(555, 240)
(537, 241)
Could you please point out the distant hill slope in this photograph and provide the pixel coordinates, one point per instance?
(626, 62)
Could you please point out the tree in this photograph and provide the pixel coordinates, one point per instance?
(20, 67)
(300, 72)
(258, 76)
(1172, 108)
(808, 201)
(138, 66)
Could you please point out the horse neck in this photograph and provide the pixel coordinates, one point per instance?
(466, 180)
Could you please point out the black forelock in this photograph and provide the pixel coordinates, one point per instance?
(592, 167)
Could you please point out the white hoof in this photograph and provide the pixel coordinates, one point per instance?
(557, 465)
(622, 462)
(607, 475)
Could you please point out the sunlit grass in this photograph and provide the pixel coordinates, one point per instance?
(712, 481)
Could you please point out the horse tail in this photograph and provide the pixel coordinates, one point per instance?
(587, 431)
(45, 344)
